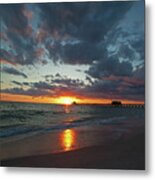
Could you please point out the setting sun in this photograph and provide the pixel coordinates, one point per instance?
(66, 100)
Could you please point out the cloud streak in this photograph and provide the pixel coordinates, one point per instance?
(118, 87)
(12, 71)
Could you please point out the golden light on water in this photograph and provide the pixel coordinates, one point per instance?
(67, 109)
(68, 138)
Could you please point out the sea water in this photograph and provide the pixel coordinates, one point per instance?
(26, 119)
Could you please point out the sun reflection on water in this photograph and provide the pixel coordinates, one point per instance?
(67, 108)
(68, 138)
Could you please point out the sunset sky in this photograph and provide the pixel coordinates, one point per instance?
(89, 52)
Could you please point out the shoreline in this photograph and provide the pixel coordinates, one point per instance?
(122, 154)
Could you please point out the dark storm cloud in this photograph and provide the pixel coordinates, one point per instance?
(73, 32)
(19, 35)
(139, 73)
(7, 56)
(86, 22)
(13, 71)
(126, 48)
(115, 88)
(29, 92)
(81, 53)
(139, 46)
(41, 85)
(25, 48)
(35, 85)
(26, 83)
(14, 18)
(111, 66)
(126, 52)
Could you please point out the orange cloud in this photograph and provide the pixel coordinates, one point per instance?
(3, 61)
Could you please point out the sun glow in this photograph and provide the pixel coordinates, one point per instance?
(66, 100)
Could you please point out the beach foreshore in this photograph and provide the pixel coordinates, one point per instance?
(121, 154)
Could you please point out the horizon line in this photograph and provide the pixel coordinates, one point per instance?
(139, 103)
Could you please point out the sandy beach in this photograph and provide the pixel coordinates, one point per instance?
(121, 154)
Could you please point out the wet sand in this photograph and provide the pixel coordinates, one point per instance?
(121, 154)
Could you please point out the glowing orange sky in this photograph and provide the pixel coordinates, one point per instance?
(59, 100)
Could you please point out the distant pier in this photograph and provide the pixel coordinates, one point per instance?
(119, 104)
